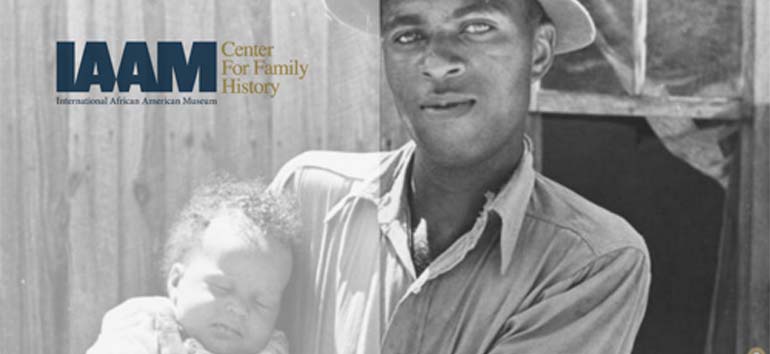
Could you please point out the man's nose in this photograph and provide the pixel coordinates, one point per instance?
(441, 63)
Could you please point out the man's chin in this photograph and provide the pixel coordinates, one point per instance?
(449, 155)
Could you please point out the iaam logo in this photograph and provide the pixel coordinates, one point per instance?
(136, 67)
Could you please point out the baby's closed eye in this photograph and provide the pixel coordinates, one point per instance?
(219, 287)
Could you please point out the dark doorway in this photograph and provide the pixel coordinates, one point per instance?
(620, 164)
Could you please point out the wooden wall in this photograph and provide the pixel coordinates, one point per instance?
(87, 192)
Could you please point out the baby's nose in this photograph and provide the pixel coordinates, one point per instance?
(235, 307)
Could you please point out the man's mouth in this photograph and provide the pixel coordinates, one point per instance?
(455, 107)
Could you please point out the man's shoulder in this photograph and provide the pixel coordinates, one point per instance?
(319, 180)
(137, 309)
(323, 169)
(354, 165)
(601, 230)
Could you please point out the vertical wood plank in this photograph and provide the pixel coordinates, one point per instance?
(10, 193)
(137, 264)
(80, 228)
(639, 45)
(148, 188)
(42, 155)
(94, 167)
(199, 25)
(756, 319)
(354, 108)
(180, 139)
(190, 146)
(30, 321)
(243, 129)
(754, 233)
(300, 112)
(32, 232)
(740, 318)
(78, 190)
(56, 119)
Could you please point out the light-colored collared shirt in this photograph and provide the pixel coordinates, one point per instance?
(542, 270)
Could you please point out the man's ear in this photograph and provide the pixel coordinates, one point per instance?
(172, 280)
(543, 42)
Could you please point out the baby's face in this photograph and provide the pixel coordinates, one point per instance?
(228, 293)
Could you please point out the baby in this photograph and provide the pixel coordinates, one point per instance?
(227, 261)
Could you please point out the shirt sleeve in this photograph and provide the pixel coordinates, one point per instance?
(135, 327)
(278, 344)
(596, 310)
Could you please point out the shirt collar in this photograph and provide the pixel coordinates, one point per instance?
(393, 185)
(371, 187)
(511, 204)
(387, 186)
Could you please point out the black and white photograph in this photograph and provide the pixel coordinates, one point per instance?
(385, 177)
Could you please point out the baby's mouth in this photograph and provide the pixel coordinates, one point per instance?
(226, 329)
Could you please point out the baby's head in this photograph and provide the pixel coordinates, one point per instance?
(228, 259)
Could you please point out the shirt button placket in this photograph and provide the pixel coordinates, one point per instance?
(405, 330)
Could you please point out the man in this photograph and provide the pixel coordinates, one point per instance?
(453, 243)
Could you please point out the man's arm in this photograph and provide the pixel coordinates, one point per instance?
(142, 325)
(598, 310)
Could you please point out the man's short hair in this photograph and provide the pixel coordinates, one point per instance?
(275, 215)
(536, 13)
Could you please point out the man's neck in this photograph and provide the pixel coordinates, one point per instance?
(448, 199)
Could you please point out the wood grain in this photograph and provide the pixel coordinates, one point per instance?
(750, 309)
(353, 109)
(136, 265)
(243, 131)
(41, 207)
(300, 111)
(754, 237)
(639, 45)
(11, 272)
(592, 104)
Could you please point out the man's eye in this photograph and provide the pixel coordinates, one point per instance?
(477, 28)
(408, 37)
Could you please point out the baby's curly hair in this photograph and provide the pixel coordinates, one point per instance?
(275, 215)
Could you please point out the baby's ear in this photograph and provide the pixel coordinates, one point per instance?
(172, 280)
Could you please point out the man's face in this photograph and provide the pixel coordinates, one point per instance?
(460, 72)
(227, 294)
